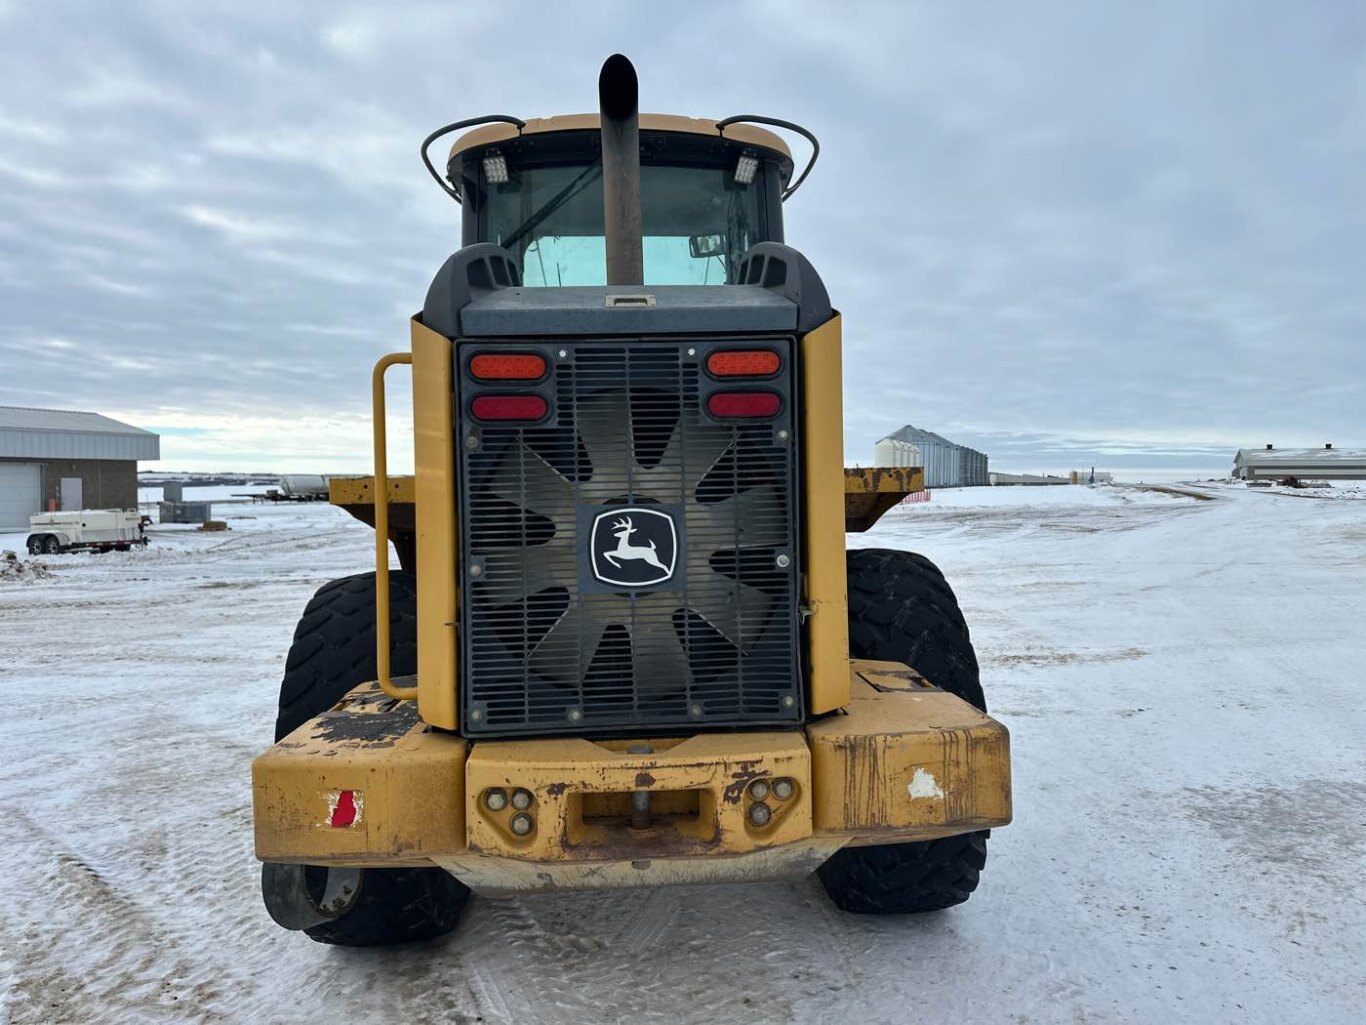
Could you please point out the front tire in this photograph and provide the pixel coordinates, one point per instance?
(333, 652)
(901, 609)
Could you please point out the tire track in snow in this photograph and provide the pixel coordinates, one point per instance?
(489, 994)
(85, 945)
(653, 918)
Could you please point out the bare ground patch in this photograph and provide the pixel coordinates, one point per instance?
(1163, 489)
(1062, 658)
(1313, 828)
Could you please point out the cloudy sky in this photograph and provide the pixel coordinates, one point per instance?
(1065, 233)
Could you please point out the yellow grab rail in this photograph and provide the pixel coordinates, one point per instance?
(382, 532)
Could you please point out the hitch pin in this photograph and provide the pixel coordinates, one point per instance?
(640, 799)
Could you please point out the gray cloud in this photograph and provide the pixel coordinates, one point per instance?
(1059, 231)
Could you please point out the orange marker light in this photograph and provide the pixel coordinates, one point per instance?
(754, 363)
(489, 366)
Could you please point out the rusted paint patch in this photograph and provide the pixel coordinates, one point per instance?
(881, 479)
(624, 844)
(362, 723)
(644, 780)
(744, 774)
(556, 789)
(870, 492)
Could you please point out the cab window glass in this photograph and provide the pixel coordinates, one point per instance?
(698, 222)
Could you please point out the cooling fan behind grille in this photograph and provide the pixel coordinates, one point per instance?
(640, 448)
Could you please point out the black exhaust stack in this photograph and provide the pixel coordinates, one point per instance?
(619, 100)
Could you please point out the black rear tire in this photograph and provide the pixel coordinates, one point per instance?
(332, 653)
(901, 609)
(51, 545)
(334, 645)
(395, 905)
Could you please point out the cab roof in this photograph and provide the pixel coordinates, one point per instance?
(744, 134)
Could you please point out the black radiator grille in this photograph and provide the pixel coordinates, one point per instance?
(567, 528)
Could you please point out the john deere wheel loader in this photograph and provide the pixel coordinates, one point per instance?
(626, 645)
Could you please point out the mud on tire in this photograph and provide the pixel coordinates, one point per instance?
(333, 651)
(901, 609)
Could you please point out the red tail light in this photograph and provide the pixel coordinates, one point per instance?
(749, 363)
(508, 407)
(746, 404)
(489, 366)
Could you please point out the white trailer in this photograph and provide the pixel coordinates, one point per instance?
(99, 530)
(303, 487)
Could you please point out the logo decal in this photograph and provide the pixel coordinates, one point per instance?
(633, 547)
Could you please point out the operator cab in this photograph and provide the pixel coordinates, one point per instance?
(706, 196)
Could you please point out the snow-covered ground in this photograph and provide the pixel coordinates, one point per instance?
(1183, 679)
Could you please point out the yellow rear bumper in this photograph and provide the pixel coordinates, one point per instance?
(902, 762)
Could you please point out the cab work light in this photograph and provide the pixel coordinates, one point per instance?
(488, 366)
(495, 167)
(508, 407)
(744, 404)
(750, 363)
(746, 167)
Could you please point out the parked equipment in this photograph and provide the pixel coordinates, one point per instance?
(184, 512)
(626, 645)
(303, 487)
(99, 530)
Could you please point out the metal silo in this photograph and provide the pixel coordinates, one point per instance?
(947, 465)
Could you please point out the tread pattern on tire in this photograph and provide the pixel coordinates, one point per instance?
(333, 651)
(901, 609)
(906, 878)
(334, 645)
(397, 905)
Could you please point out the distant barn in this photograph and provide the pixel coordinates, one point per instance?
(1327, 463)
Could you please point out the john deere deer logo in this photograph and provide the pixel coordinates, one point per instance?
(645, 548)
(622, 531)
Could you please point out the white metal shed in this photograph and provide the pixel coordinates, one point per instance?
(1327, 463)
(67, 459)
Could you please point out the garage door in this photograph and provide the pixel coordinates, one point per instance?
(21, 494)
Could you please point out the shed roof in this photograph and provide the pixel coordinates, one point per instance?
(30, 419)
(28, 433)
(919, 436)
(1283, 456)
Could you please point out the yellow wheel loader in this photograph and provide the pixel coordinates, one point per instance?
(626, 645)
